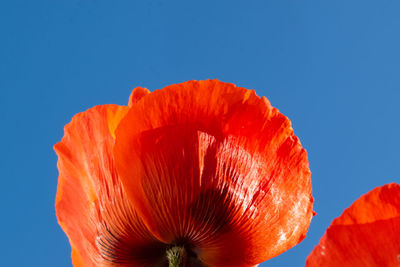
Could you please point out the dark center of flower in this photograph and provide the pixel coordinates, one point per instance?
(176, 256)
(181, 255)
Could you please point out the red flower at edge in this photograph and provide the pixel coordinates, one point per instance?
(366, 234)
(203, 165)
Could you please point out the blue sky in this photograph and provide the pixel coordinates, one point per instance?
(332, 67)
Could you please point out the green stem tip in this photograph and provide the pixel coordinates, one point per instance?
(176, 256)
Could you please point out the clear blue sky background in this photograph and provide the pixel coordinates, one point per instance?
(332, 67)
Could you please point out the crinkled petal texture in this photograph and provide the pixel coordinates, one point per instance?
(366, 234)
(215, 168)
(92, 207)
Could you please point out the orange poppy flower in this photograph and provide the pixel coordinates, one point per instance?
(202, 169)
(366, 234)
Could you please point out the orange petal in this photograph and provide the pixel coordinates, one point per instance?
(212, 166)
(91, 205)
(366, 234)
(77, 260)
(137, 94)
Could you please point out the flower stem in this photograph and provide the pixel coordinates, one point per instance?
(176, 256)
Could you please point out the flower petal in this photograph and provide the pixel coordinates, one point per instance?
(77, 260)
(137, 94)
(213, 165)
(366, 234)
(91, 204)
